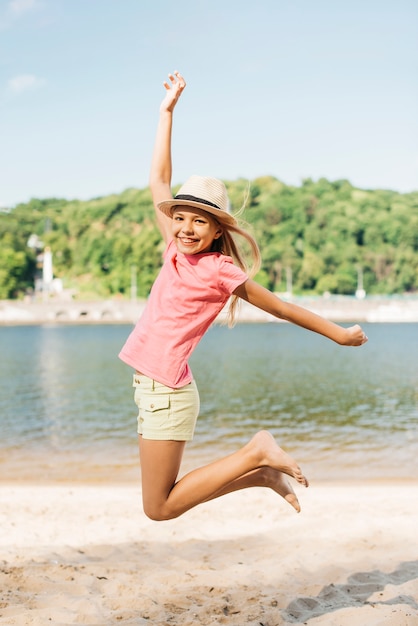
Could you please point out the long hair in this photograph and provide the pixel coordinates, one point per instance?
(227, 244)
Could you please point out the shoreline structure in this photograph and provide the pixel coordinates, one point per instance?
(338, 309)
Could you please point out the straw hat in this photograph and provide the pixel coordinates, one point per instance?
(201, 192)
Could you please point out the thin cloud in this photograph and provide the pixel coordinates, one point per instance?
(18, 7)
(25, 82)
(16, 10)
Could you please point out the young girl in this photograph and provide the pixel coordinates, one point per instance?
(203, 267)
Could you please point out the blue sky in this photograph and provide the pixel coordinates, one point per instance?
(289, 88)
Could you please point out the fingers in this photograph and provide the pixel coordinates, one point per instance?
(360, 336)
(180, 78)
(355, 336)
(176, 81)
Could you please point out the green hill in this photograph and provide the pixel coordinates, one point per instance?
(323, 232)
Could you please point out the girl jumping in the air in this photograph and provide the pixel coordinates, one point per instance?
(203, 268)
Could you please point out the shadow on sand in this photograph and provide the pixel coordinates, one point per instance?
(354, 593)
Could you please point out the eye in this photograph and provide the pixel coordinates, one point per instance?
(199, 220)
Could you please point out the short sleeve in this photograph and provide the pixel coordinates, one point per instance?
(230, 276)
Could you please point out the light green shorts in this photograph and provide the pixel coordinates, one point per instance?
(165, 413)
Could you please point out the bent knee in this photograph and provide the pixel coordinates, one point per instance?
(158, 513)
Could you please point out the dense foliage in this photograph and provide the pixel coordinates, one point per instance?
(322, 232)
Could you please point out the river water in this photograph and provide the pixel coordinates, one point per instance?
(67, 411)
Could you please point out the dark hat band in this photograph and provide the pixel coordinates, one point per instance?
(195, 199)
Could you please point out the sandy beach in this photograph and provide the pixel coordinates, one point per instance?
(86, 554)
(76, 547)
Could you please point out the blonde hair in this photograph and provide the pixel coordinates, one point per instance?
(227, 244)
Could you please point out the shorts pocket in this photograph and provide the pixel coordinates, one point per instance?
(155, 404)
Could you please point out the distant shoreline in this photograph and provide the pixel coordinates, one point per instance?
(338, 309)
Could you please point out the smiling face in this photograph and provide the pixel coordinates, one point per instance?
(194, 230)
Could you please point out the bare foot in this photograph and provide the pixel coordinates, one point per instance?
(271, 455)
(277, 481)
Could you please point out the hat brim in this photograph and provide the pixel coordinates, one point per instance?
(167, 207)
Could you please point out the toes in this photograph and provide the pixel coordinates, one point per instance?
(293, 501)
(300, 478)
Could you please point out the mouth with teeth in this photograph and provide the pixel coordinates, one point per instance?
(187, 241)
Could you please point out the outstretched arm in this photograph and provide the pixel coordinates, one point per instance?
(262, 298)
(161, 169)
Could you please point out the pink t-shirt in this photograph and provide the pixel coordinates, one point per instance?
(188, 294)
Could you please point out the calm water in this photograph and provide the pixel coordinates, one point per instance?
(66, 407)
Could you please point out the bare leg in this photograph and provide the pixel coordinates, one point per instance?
(164, 498)
(263, 477)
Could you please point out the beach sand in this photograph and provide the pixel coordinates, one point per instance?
(86, 554)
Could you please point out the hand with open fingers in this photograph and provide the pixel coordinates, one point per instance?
(174, 88)
(355, 336)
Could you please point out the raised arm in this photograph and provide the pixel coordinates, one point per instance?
(161, 168)
(262, 298)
